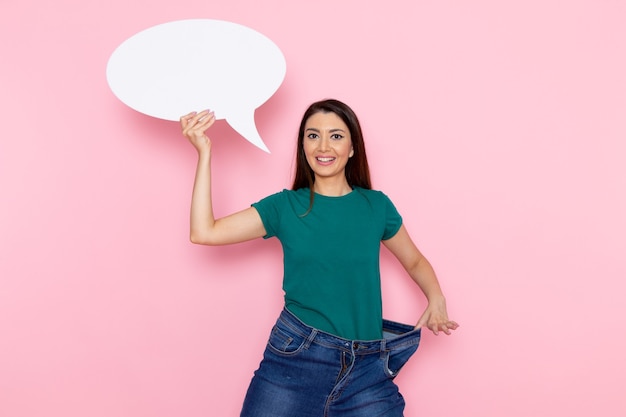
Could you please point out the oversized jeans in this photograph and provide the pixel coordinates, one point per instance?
(309, 373)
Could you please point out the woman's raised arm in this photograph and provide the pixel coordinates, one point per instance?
(204, 228)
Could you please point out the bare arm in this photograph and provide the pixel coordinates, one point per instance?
(435, 317)
(204, 228)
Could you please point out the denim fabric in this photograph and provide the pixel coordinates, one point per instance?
(308, 373)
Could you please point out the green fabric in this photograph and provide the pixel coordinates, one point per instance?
(331, 257)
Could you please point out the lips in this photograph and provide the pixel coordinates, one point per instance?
(325, 159)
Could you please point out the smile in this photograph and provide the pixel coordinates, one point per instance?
(325, 158)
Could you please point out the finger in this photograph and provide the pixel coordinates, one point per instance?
(184, 120)
(202, 115)
(197, 123)
(205, 120)
(193, 118)
(202, 121)
(445, 329)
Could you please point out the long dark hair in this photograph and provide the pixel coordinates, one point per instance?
(357, 169)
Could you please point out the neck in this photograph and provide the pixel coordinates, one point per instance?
(332, 188)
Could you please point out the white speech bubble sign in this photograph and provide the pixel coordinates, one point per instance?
(174, 68)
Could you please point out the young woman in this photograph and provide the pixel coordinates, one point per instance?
(330, 352)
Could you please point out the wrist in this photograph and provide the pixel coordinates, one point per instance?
(204, 155)
(436, 298)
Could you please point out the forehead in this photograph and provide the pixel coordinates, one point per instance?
(325, 121)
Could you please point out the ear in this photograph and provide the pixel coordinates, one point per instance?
(351, 152)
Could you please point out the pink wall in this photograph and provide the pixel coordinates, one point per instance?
(498, 128)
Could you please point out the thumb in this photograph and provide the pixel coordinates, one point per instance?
(422, 321)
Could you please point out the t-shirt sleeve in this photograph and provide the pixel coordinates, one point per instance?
(269, 209)
(393, 220)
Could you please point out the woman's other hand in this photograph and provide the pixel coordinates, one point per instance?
(435, 317)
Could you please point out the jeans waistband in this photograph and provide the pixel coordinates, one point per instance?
(395, 336)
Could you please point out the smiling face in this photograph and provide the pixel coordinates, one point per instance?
(327, 145)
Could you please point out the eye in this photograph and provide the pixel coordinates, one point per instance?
(336, 136)
(312, 136)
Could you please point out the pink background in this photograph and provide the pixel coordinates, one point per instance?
(497, 127)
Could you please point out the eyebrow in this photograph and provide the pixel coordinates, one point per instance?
(330, 131)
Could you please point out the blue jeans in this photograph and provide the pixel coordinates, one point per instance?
(308, 373)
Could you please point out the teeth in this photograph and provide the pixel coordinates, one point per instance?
(325, 159)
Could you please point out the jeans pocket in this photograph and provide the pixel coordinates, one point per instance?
(284, 340)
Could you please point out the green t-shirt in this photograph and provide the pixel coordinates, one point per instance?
(331, 257)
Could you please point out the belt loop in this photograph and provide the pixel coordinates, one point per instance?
(309, 339)
(383, 348)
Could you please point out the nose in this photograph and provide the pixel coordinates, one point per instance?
(324, 144)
